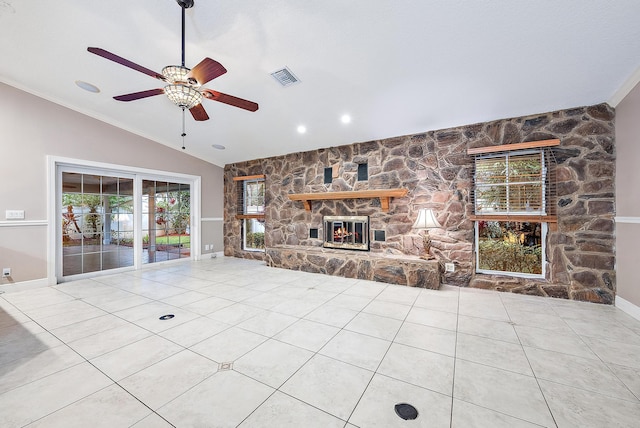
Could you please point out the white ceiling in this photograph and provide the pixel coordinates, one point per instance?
(397, 67)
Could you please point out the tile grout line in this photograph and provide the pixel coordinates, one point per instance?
(605, 363)
(455, 360)
(95, 367)
(318, 353)
(391, 342)
(314, 353)
(152, 333)
(553, 417)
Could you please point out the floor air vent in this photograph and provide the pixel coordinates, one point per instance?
(406, 411)
(285, 77)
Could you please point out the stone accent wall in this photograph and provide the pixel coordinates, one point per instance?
(437, 172)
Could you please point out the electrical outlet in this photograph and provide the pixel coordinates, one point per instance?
(6, 272)
(211, 247)
(449, 267)
(14, 214)
(206, 247)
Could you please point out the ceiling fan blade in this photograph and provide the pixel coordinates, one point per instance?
(208, 69)
(138, 95)
(199, 113)
(115, 58)
(229, 99)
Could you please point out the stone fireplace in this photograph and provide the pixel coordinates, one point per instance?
(346, 232)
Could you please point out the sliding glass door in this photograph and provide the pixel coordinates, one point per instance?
(166, 221)
(97, 222)
(109, 219)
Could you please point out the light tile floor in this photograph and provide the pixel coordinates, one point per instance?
(253, 346)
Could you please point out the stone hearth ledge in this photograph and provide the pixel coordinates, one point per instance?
(406, 270)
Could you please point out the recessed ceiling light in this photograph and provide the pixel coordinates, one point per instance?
(302, 129)
(345, 118)
(218, 146)
(87, 86)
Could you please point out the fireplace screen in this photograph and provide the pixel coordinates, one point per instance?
(347, 232)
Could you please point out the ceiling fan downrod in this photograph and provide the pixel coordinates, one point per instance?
(184, 4)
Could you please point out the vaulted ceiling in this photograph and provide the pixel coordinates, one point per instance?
(396, 67)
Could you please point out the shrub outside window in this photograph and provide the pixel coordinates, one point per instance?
(510, 247)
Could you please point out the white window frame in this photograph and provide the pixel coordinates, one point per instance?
(543, 239)
(250, 209)
(511, 216)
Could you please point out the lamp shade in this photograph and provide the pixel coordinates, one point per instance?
(426, 220)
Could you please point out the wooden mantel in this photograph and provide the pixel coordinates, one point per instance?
(383, 195)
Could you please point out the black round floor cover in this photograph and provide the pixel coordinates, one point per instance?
(406, 411)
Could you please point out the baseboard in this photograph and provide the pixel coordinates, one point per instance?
(24, 285)
(628, 307)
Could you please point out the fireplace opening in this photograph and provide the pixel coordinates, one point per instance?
(346, 232)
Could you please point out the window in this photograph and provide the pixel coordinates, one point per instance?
(253, 234)
(514, 201)
(253, 199)
(510, 247)
(510, 183)
(251, 192)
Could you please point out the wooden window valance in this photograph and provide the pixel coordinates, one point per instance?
(516, 146)
(249, 177)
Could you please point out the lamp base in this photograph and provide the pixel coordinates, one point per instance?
(426, 242)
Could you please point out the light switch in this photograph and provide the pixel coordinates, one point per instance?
(14, 214)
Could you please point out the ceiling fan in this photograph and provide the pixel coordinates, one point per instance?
(184, 85)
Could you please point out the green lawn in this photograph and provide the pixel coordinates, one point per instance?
(173, 240)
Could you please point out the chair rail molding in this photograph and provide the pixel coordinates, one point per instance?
(620, 219)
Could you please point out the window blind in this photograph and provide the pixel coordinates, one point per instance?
(250, 197)
(515, 183)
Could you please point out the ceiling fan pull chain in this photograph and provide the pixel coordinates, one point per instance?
(184, 134)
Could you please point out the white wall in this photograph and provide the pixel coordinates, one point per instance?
(31, 129)
(628, 197)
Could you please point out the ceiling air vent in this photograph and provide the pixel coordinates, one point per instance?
(285, 77)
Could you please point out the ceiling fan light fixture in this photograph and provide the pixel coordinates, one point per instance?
(175, 73)
(183, 96)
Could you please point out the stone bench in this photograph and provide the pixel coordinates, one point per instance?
(392, 269)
